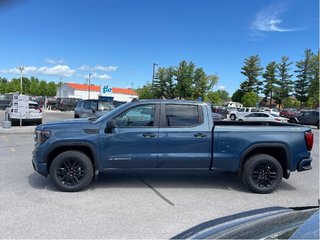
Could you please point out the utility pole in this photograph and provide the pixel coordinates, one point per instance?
(89, 85)
(60, 87)
(21, 68)
(153, 70)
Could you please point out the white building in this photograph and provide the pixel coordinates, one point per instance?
(233, 104)
(76, 90)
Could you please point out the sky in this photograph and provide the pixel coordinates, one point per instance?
(118, 41)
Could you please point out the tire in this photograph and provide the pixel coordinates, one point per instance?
(318, 125)
(71, 171)
(262, 173)
(233, 117)
(240, 120)
(68, 108)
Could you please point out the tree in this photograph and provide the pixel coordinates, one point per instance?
(270, 80)
(200, 82)
(184, 78)
(284, 80)
(214, 98)
(237, 96)
(252, 70)
(145, 92)
(3, 85)
(314, 82)
(305, 71)
(223, 94)
(163, 86)
(51, 89)
(34, 88)
(250, 99)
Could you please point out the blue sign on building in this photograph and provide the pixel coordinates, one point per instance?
(106, 91)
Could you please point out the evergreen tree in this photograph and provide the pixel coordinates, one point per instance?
(314, 83)
(237, 96)
(270, 80)
(184, 78)
(252, 70)
(284, 80)
(305, 71)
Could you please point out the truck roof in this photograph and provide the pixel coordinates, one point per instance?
(173, 101)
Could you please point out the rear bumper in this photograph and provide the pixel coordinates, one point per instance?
(304, 165)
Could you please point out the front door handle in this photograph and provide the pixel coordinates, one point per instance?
(200, 135)
(149, 135)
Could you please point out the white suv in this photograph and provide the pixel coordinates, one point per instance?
(33, 115)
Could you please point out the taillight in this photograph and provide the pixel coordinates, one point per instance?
(309, 140)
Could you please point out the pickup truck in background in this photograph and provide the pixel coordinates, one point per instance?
(169, 134)
(235, 114)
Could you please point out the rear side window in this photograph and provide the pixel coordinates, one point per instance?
(182, 115)
(33, 106)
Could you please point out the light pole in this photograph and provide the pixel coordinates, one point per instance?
(21, 68)
(60, 87)
(153, 70)
(89, 85)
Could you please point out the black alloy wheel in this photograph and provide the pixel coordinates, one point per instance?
(71, 171)
(262, 173)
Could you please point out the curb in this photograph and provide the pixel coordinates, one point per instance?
(17, 130)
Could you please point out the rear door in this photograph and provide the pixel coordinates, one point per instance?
(184, 137)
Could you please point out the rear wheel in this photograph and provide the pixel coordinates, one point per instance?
(262, 173)
(71, 171)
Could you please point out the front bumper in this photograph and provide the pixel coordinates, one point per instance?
(38, 166)
(304, 165)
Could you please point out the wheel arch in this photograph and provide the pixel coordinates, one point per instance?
(87, 149)
(277, 150)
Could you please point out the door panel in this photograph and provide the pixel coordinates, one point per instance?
(134, 142)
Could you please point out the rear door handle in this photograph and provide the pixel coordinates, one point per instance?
(200, 135)
(149, 135)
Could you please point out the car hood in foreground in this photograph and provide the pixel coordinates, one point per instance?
(274, 223)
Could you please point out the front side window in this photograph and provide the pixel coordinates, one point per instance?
(139, 116)
(182, 115)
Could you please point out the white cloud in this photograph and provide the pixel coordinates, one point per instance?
(58, 70)
(98, 76)
(269, 20)
(86, 67)
(221, 87)
(51, 61)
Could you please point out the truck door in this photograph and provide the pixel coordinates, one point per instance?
(184, 137)
(133, 143)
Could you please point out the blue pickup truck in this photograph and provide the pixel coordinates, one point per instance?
(168, 134)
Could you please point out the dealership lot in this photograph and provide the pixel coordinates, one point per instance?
(128, 204)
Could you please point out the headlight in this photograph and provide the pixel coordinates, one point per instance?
(42, 136)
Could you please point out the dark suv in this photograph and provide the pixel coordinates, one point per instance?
(66, 104)
(307, 118)
(92, 108)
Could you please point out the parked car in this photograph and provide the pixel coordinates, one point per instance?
(307, 118)
(270, 110)
(66, 104)
(217, 117)
(33, 115)
(166, 134)
(92, 108)
(4, 104)
(262, 116)
(233, 115)
(265, 223)
(289, 112)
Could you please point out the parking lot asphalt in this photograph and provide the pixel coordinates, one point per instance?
(129, 204)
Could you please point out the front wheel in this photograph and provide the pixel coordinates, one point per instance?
(233, 117)
(71, 171)
(262, 173)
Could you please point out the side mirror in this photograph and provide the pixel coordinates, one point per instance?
(111, 124)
